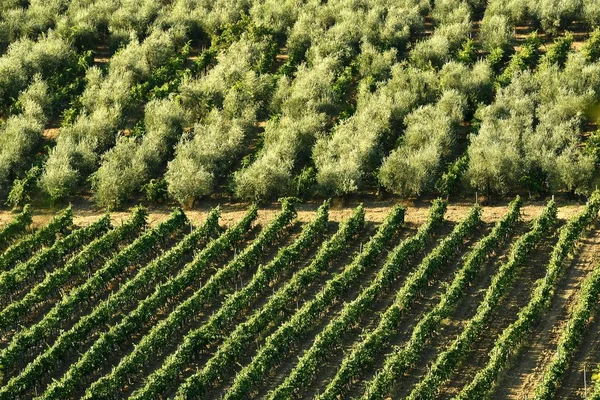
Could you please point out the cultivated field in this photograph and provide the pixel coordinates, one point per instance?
(164, 228)
(301, 300)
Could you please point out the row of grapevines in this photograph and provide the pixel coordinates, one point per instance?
(585, 309)
(512, 337)
(397, 261)
(101, 314)
(36, 335)
(403, 358)
(16, 227)
(108, 386)
(596, 392)
(19, 277)
(501, 282)
(364, 353)
(288, 334)
(132, 323)
(274, 310)
(33, 242)
(77, 266)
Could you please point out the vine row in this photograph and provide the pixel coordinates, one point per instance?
(18, 277)
(36, 335)
(364, 353)
(44, 236)
(448, 359)
(302, 321)
(275, 309)
(512, 337)
(403, 358)
(77, 266)
(108, 386)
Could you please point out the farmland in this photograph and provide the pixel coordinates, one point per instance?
(301, 300)
(254, 100)
(286, 199)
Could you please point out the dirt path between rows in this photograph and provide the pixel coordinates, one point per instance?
(521, 379)
(376, 210)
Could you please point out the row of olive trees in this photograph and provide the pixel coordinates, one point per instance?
(223, 107)
(82, 21)
(21, 134)
(357, 145)
(347, 160)
(18, 22)
(326, 37)
(106, 99)
(238, 92)
(530, 137)
(428, 142)
(25, 58)
(231, 87)
(362, 42)
(551, 15)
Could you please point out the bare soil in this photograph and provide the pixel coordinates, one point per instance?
(527, 369)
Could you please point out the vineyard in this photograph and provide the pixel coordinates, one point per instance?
(303, 301)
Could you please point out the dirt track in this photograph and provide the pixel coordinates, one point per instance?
(376, 211)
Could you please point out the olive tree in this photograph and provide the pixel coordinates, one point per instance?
(496, 32)
(21, 134)
(428, 142)
(355, 148)
(133, 161)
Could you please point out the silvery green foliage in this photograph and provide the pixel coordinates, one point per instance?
(132, 162)
(85, 21)
(591, 13)
(21, 134)
(474, 82)
(554, 14)
(227, 100)
(142, 57)
(76, 153)
(17, 22)
(354, 149)
(439, 48)
(428, 142)
(234, 65)
(102, 91)
(106, 97)
(26, 58)
(208, 16)
(336, 29)
(517, 11)
(133, 16)
(211, 150)
(376, 64)
(302, 106)
(536, 124)
(450, 11)
(271, 175)
(278, 15)
(551, 14)
(554, 147)
(494, 153)
(311, 89)
(392, 23)
(333, 34)
(496, 32)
